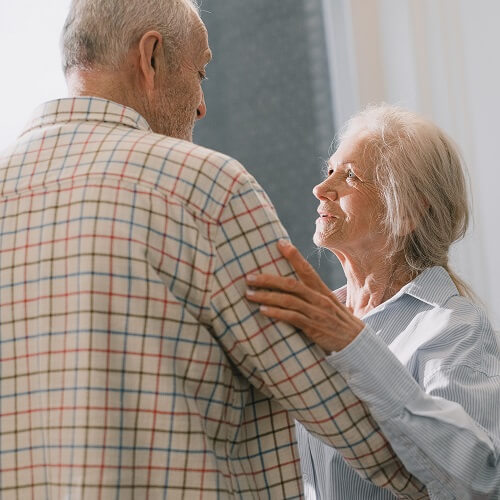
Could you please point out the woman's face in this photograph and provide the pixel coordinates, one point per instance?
(350, 207)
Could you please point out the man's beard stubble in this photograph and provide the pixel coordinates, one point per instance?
(172, 121)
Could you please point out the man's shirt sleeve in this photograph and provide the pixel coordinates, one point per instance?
(277, 359)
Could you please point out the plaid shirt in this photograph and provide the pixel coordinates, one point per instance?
(131, 365)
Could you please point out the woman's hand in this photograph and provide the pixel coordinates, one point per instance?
(306, 303)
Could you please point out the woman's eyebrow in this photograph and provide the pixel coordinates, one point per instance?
(341, 163)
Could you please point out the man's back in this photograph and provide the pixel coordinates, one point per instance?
(111, 378)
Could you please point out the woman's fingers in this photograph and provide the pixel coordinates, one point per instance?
(318, 331)
(330, 332)
(300, 265)
(281, 300)
(294, 318)
(287, 285)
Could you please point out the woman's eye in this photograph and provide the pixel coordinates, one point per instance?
(350, 174)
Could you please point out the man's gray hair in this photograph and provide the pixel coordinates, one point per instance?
(99, 33)
(420, 175)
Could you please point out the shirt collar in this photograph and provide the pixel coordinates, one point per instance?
(433, 286)
(85, 109)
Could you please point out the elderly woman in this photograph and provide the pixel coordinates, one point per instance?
(412, 346)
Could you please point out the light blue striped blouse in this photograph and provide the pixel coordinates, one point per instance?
(428, 366)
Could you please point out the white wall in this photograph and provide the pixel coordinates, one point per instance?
(29, 58)
(438, 57)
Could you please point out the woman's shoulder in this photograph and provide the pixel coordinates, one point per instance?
(462, 331)
(435, 287)
(466, 340)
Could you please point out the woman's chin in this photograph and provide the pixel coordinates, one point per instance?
(320, 239)
(327, 239)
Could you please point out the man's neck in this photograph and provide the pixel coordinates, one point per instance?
(96, 83)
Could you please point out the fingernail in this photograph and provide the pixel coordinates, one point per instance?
(264, 308)
(250, 293)
(283, 243)
(252, 277)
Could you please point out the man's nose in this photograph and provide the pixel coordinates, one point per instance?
(202, 108)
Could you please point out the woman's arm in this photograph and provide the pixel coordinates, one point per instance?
(435, 437)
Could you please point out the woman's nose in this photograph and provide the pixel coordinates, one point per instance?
(325, 190)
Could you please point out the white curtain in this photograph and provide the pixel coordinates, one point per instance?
(438, 57)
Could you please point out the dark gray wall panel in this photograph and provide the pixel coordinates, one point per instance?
(269, 105)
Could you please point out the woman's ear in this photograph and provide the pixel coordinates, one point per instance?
(410, 223)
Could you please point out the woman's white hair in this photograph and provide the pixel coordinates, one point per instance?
(420, 175)
(99, 33)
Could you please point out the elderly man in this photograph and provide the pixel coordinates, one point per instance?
(132, 366)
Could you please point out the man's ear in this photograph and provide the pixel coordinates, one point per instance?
(150, 46)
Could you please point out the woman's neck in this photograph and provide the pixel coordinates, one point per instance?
(372, 281)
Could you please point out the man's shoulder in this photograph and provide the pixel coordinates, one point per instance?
(198, 177)
(178, 151)
(186, 161)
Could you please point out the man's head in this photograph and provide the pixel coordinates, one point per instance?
(147, 54)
